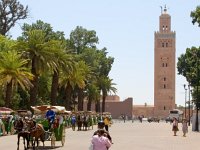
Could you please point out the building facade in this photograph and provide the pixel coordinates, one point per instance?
(116, 107)
(164, 66)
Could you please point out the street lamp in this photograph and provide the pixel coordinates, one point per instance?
(189, 104)
(197, 92)
(185, 97)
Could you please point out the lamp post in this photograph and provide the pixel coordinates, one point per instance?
(197, 113)
(197, 105)
(197, 93)
(189, 104)
(185, 97)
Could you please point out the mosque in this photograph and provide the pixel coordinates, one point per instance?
(164, 77)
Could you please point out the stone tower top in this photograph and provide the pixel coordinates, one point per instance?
(165, 21)
(165, 10)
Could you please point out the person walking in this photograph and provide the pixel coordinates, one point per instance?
(106, 122)
(73, 122)
(175, 126)
(100, 142)
(184, 127)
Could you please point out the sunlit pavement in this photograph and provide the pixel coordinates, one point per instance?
(126, 136)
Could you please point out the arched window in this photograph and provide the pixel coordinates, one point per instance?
(166, 65)
(164, 78)
(163, 44)
(166, 44)
(164, 86)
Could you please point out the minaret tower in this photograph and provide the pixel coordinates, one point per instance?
(164, 66)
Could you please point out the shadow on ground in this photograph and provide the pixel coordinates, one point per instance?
(46, 147)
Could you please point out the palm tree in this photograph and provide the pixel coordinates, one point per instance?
(64, 63)
(106, 86)
(41, 53)
(84, 72)
(75, 79)
(13, 73)
(93, 94)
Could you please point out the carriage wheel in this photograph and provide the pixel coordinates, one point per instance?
(53, 140)
(63, 137)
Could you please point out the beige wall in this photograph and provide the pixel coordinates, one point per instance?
(118, 108)
(115, 106)
(112, 98)
(146, 111)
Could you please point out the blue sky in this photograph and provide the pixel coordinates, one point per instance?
(126, 29)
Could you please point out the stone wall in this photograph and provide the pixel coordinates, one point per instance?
(120, 108)
(142, 110)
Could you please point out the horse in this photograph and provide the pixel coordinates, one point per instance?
(79, 122)
(85, 123)
(36, 132)
(19, 126)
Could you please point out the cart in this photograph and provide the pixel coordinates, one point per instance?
(57, 131)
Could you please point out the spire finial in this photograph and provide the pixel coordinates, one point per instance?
(165, 9)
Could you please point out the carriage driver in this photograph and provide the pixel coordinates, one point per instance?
(50, 115)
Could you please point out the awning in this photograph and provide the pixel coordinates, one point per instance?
(44, 108)
(5, 111)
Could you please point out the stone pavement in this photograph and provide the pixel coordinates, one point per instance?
(126, 136)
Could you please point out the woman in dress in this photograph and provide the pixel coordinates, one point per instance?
(184, 127)
(175, 126)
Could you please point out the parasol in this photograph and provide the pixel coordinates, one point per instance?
(44, 108)
(5, 110)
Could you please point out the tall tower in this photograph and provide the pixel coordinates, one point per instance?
(164, 66)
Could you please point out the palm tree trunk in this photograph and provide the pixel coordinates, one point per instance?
(80, 99)
(34, 89)
(97, 106)
(8, 95)
(103, 103)
(54, 88)
(89, 104)
(68, 96)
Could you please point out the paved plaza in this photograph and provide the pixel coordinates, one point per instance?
(126, 136)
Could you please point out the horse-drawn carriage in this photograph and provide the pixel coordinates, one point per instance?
(55, 131)
(84, 119)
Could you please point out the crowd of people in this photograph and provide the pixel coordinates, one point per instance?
(101, 139)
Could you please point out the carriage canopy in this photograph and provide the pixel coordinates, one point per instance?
(44, 108)
(5, 111)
